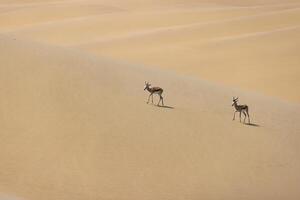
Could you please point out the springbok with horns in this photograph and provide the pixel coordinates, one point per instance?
(154, 90)
(241, 109)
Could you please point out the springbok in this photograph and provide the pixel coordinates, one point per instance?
(154, 90)
(241, 109)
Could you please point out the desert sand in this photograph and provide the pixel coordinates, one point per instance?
(73, 114)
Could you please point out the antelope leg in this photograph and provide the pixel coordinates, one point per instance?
(245, 116)
(248, 117)
(159, 101)
(234, 115)
(240, 116)
(148, 98)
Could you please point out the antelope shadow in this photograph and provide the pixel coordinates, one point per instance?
(252, 124)
(168, 107)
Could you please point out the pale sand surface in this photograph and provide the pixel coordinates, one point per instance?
(73, 114)
(9, 197)
(254, 44)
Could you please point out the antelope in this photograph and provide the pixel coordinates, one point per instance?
(154, 90)
(241, 109)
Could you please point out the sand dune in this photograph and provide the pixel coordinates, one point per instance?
(154, 36)
(75, 126)
(73, 112)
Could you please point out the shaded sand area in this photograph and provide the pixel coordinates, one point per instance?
(73, 114)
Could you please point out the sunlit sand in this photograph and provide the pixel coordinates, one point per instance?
(73, 114)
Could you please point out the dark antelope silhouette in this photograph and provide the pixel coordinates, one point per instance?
(154, 90)
(241, 109)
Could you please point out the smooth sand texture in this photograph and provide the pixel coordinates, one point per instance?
(238, 38)
(73, 118)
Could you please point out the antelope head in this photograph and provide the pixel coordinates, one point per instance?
(147, 85)
(234, 100)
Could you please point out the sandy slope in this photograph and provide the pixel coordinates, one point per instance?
(77, 127)
(255, 39)
(73, 115)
